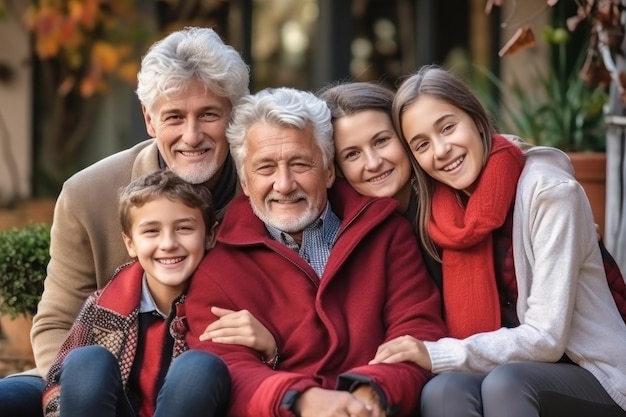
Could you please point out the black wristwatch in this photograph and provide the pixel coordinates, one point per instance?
(289, 400)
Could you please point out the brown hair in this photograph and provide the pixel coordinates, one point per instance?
(350, 98)
(165, 183)
(439, 83)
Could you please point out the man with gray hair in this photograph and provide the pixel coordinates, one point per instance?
(332, 274)
(188, 83)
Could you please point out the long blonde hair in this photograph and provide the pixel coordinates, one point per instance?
(439, 83)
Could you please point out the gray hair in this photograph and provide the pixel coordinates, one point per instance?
(280, 107)
(192, 53)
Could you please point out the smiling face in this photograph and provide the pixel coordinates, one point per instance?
(285, 177)
(445, 142)
(189, 128)
(370, 156)
(169, 240)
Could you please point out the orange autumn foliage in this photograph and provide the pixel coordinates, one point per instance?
(94, 40)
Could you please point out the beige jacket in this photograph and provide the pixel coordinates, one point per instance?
(86, 244)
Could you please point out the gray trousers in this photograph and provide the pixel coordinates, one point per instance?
(522, 389)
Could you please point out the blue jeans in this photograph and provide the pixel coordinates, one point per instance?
(524, 389)
(197, 384)
(20, 396)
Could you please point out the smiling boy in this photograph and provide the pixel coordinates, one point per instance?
(130, 335)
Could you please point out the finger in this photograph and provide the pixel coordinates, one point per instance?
(393, 354)
(215, 329)
(231, 340)
(220, 312)
(357, 408)
(395, 358)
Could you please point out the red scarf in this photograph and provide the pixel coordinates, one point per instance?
(470, 294)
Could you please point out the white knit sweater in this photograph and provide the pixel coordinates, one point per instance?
(564, 303)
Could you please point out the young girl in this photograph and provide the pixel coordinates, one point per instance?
(534, 328)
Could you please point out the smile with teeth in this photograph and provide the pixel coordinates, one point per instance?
(455, 164)
(171, 261)
(380, 177)
(194, 153)
(288, 201)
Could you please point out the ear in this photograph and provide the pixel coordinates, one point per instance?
(130, 248)
(147, 118)
(211, 236)
(330, 176)
(244, 186)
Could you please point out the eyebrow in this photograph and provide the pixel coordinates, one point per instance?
(152, 223)
(374, 136)
(214, 107)
(437, 122)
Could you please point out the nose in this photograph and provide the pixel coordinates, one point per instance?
(168, 241)
(192, 134)
(372, 160)
(284, 182)
(442, 147)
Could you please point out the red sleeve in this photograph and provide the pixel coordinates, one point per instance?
(413, 307)
(257, 389)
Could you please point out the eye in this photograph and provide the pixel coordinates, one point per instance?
(150, 232)
(210, 116)
(448, 128)
(420, 146)
(300, 166)
(265, 169)
(382, 141)
(351, 155)
(185, 228)
(172, 117)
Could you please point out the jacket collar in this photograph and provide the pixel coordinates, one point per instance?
(127, 281)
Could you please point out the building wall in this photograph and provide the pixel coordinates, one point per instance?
(516, 14)
(15, 110)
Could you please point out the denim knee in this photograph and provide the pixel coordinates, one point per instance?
(20, 395)
(205, 367)
(90, 368)
(197, 383)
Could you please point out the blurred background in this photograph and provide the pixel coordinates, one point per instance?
(68, 68)
(550, 71)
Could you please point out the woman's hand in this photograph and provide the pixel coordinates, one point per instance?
(403, 349)
(240, 328)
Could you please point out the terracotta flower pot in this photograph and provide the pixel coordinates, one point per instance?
(590, 170)
(17, 332)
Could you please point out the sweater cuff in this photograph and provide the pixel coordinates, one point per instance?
(446, 354)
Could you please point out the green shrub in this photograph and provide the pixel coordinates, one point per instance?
(24, 256)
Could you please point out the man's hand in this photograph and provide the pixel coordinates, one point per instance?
(240, 328)
(403, 349)
(318, 402)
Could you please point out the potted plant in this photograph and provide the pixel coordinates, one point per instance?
(557, 108)
(563, 105)
(24, 256)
